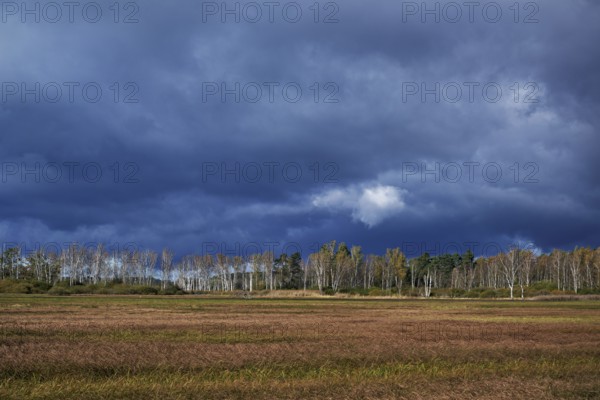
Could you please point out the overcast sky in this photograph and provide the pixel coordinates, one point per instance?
(193, 124)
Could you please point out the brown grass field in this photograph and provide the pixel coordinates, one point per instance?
(111, 347)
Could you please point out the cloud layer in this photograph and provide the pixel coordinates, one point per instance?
(405, 131)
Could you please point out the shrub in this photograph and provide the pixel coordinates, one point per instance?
(542, 292)
(488, 294)
(414, 292)
(80, 289)
(457, 293)
(375, 291)
(589, 291)
(148, 290)
(15, 286)
(355, 291)
(544, 286)
(505, 293)
(63, 284)
(171, 290)
(473, 293)
(59, 291)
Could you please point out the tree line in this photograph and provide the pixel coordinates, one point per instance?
(334, 268)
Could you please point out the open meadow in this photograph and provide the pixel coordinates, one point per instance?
(194, 347)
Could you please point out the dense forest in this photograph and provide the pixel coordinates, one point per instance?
(517, 272)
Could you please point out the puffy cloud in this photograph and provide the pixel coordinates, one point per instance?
(369, 204)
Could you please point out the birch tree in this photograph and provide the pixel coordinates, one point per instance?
(509, 266)
(148, 259)
(357, 264)
(575, 262)
(166, 266)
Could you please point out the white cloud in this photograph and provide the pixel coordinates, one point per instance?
(370, 204)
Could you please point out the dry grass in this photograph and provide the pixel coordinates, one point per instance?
(278, 294)
(573, 297)
(184, 348)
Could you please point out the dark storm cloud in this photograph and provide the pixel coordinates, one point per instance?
(357, 156)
